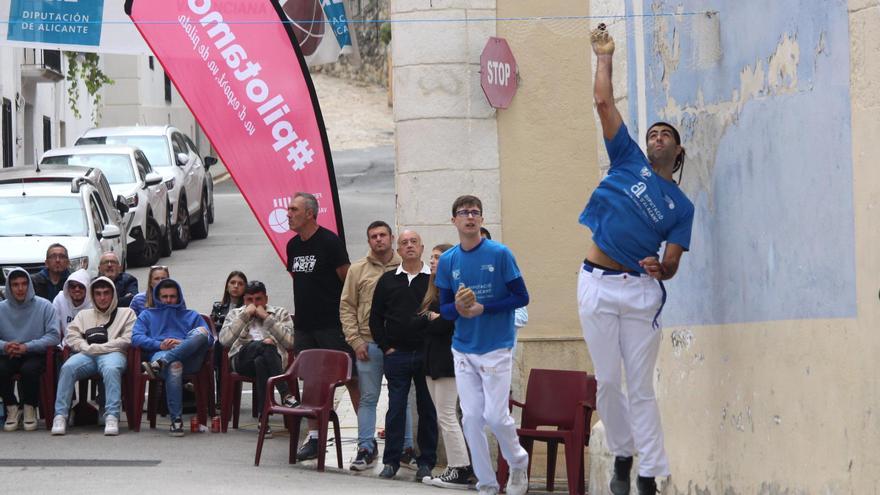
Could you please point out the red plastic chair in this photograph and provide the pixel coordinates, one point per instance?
(203, 383)
(565, 400)
(230, 394)
(85, 413)
(47, 388)
(321, 371)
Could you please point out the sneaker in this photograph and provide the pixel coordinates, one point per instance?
(518, 484)
(148, 369)
(189, 387)
(488, 490)
(59, 425)
(646, 486)
(423, 472)
(364, 460)
(30, 418)
(388, 471)
(289, 401)
(13, 417)
(457, 478)
(176, 429)
(309, 450)
(620, 479)
(408, 459)
(111, 426)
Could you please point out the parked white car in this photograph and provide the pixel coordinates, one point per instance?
(148, 221)
(172, 154)
(72, 206)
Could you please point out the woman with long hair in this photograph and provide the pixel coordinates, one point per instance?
(144, 300)
(233, 297)
(441, 383)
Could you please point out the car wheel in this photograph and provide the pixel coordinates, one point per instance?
(200, 230)
(181, 232)
(167, 243)
(152, 239)
(211, 208)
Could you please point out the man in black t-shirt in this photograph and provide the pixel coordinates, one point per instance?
(318, 262)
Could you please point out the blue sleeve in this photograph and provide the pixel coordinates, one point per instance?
(441, 279)
(681, 232)
(140, 335)
(447, 304)
(622, 146)
(518, 297)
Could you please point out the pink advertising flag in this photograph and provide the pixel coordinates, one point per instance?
(240, 71)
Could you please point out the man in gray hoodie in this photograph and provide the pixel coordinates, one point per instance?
(72, 299)
(28, 327)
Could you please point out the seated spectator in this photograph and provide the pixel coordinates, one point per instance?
(73, 299)
(99, 351)
(174, 339)
(144, 300)
(258, 336)
(233, 297)
(126, 284)
(49, 281)
(28, 327)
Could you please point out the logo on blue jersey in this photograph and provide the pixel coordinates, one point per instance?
(669, 202)
(489, 268)
(456, 274)
(645, 172)
(638, 189)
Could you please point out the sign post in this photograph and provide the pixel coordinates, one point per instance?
(498, 72)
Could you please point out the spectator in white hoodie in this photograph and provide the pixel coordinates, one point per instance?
(71, 300)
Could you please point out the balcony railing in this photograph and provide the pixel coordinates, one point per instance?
(42, 65)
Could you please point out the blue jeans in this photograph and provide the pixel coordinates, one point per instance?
(185, 359)
(370, 381)
(79, 366)
(401, 369)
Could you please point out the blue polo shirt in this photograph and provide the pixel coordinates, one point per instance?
(486, 270)
(633, 210)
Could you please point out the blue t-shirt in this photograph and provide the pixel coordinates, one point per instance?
(634, 210)
(486, 270)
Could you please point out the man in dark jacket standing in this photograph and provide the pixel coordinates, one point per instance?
(126, 284)
(49, 281)
(394, 324)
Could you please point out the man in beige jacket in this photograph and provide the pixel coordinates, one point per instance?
(258, 336)
(103, 353)
(354, 312)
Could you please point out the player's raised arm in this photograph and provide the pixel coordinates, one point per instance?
(603, 91)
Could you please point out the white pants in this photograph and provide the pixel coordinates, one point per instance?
(445, 396)
(483, 382)
(617, 314)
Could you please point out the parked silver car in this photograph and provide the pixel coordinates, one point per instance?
(148, 221)
(187, 178)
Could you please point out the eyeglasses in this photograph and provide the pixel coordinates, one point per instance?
(468, 213)
(76, 287)
(109, 262)
(56, 256)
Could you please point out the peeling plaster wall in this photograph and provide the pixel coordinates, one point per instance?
(769, 387)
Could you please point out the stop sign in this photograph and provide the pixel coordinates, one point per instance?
(498, 72)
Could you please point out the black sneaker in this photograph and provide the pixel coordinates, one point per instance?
(309, 450)
(408, 459)
(289, 401)
(646, 486)
(176, 429)
(388, 472)
(457, 478)
(148, 369)
(364, 460)
(620, 481)
(423, 472)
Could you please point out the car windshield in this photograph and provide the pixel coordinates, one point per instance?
(117, 168)
(155, 147)
(42, 216)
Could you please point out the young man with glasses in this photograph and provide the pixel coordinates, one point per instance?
(126, 284)
(49, 281)
(480, 288)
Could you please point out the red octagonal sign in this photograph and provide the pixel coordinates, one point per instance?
(498, 72)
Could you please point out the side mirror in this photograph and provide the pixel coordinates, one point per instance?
(110, 232)
(152, 179)
(209, 162)
(182, 159)
(121, 205)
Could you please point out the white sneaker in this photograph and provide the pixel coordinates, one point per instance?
(518, 484)
(488, 490)
(30, 418)
(59, 425)
(13, 417)
(111, 426)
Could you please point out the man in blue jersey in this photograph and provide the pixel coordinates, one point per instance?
(480, 288)
(635, 209)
